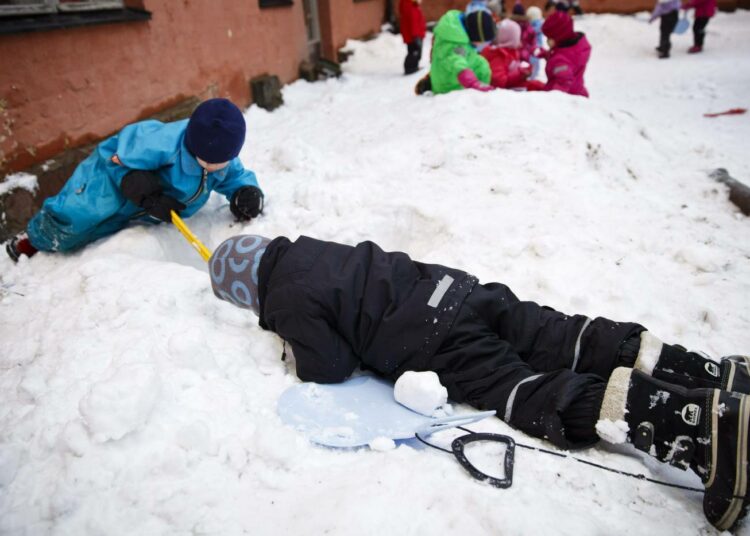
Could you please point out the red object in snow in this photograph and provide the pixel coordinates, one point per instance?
(733, 111)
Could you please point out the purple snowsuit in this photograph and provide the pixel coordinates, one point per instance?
(662, 8)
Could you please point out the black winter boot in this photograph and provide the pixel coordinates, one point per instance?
(703, 429)
(674, 364)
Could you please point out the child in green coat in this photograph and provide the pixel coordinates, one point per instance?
(456, 62)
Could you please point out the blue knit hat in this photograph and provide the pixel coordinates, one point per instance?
(480, 26)
(234, 270)
(216, 131)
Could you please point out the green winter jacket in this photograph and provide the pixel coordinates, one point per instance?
(452, 52)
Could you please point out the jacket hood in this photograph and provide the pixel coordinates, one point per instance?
(450, 28)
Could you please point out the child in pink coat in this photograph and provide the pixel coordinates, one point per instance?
(568, 56)
(704, 10)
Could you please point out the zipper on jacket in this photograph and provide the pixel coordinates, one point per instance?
(199, 191)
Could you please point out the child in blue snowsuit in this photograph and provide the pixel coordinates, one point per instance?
(143, 173)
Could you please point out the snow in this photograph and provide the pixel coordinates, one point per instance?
(420, 392)
(18, 180)
(612, 431)
(132, 401)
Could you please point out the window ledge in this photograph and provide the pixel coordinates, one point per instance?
(57, 21)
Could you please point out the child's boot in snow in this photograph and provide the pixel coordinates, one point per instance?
(19, 245)
(424, 85)
(704, 429)
(695, 49)
(674, 364)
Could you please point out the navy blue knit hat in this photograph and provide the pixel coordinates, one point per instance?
(480, 26)
(216, 131)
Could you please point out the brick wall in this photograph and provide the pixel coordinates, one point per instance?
(66, 87)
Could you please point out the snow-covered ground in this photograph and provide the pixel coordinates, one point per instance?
(134, 402)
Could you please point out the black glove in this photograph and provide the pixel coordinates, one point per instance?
(246, 203)
(160, 206)
(143, 188)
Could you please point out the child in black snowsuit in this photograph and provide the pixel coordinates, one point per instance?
(567, 379)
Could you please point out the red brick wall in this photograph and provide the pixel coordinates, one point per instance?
(345, 19)
(64, 88)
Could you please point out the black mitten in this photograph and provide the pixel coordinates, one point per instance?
(246, 203)
(160, 206)
(138, 184)
(144, 189)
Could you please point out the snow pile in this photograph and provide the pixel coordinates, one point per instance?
(132, 401)
(420, 392)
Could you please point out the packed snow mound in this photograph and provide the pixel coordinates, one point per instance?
(132, 401)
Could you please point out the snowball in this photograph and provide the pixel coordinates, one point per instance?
(420, 392)
(382, 444)
(612, 431)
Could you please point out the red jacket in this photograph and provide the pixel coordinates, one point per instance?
(411, 20)
(505, 64)
(703, 8)
(566, 65)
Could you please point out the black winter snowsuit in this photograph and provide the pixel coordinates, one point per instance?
(340, 307)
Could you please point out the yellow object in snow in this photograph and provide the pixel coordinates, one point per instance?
(190, 237)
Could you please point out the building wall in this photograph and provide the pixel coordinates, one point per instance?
(67, 87)
(346, 19)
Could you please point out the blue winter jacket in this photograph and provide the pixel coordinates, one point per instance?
(91, 205)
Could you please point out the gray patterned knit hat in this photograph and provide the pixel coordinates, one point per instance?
(234, 270)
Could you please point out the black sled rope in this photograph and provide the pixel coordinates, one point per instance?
(458, 444)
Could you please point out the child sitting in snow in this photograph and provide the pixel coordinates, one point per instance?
(504, 57)
(704, 10)
(568, 379)
(412, 30)
(669, 12)
(456, 63)
(141, 174)
(568, 55)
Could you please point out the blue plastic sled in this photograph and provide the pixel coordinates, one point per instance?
(682, 25)
(358, 411)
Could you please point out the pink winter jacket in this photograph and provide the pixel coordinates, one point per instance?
(703, 8)
(566, 64)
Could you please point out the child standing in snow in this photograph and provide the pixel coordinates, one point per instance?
(568, 56)
(704, 10)
(568, 379)
(669, 11)
(504, 56)
(412, 30)
(535, 21)
(141, 174)
(456, 63)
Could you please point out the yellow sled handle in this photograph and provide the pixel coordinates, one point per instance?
(190, 237)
